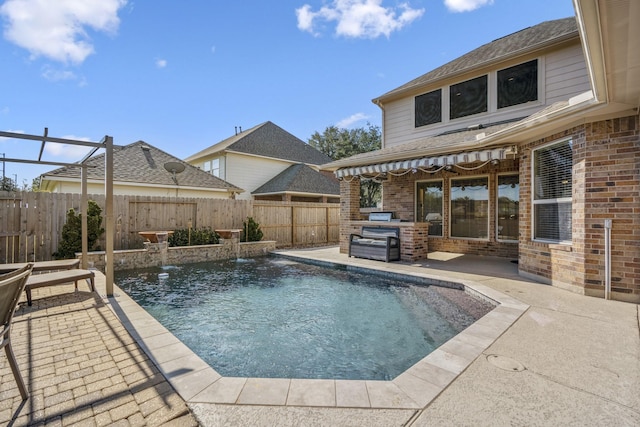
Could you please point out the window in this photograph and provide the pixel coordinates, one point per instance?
(518, 84)
(212, 166)
(552, 167)
(215, 167)
(468, 98)
(508, 207)
(470, 207)
(429, 205)
(428, 108)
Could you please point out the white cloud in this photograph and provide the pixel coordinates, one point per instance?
(465, 5)
(161, 63)
(55, 75)
(4, 110)
(354, 118)
(57, 29)
(358, 18)
(66, 152)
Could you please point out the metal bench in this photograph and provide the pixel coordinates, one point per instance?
(378, 243)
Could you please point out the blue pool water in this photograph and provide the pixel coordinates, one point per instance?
(275, 318)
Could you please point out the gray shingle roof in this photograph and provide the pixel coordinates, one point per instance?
(445, 143)
(300, 178)
(529, 39)
(268, 140)
(143, 163)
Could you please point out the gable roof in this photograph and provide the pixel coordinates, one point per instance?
(143, 163)
(518, 43)
(267, 140)
(300, 178)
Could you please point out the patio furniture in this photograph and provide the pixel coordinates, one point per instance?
(378, 243)
(59, 278)
(60, 264)
(11, 286)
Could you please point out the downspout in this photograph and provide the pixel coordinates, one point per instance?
(607, 258)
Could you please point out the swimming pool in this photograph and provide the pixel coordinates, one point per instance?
(275, 318)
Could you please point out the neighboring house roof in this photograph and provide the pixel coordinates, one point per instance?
(267, 140)
(300, 178)
(143, 163)
(518, 43)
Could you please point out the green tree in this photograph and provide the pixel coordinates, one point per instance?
(7, 184)
(35, 184)
(340, 143)
(72, 231)
(250, 231)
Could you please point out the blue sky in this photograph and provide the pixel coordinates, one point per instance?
(182, 75)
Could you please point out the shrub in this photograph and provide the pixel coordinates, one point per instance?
(72, 232)
(201, 236)
(250, 231)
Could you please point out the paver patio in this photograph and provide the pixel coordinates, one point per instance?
(567, 359)
(82, 367)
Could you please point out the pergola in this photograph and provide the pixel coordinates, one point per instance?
(107, 144)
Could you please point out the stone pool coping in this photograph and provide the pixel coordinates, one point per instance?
(197, 382)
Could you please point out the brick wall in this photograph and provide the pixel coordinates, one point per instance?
(606, 185)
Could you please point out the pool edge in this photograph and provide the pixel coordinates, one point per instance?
(415, 388)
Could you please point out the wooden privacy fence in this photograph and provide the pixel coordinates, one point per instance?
(31, 223)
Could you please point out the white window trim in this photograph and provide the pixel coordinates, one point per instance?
(459, 178)
(535, 202)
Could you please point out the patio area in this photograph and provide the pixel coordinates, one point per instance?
(552, 358)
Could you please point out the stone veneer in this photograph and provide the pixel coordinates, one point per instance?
(158, 254)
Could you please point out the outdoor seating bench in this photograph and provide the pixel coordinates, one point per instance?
(60, 264)
(378, 243)
(59, 278)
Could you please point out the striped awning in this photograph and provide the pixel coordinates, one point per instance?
(427, 162)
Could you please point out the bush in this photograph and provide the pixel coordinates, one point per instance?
(72, 232)
(202, 236)
(250, 231)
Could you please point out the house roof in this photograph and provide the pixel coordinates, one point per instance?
(300, 178)
(518, 43)
(267, 140)
(447, 142)
(143, 163)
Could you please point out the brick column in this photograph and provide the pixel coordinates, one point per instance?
(349, 209)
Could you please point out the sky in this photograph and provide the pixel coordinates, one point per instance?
(182, 76)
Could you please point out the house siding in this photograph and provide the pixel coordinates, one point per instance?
(139, 190)
(606, 185)
(250, 172)
(563, 75)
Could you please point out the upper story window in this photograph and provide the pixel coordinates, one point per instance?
(212, 166)
(428, 108)
(467, 98)
(552, 188)
(518, 84)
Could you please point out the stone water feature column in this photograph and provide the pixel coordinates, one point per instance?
(230, 239)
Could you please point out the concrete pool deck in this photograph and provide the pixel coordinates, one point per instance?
(545, 356)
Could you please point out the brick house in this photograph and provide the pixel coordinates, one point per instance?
(527, 147)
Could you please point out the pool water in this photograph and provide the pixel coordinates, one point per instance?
(275, 318)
